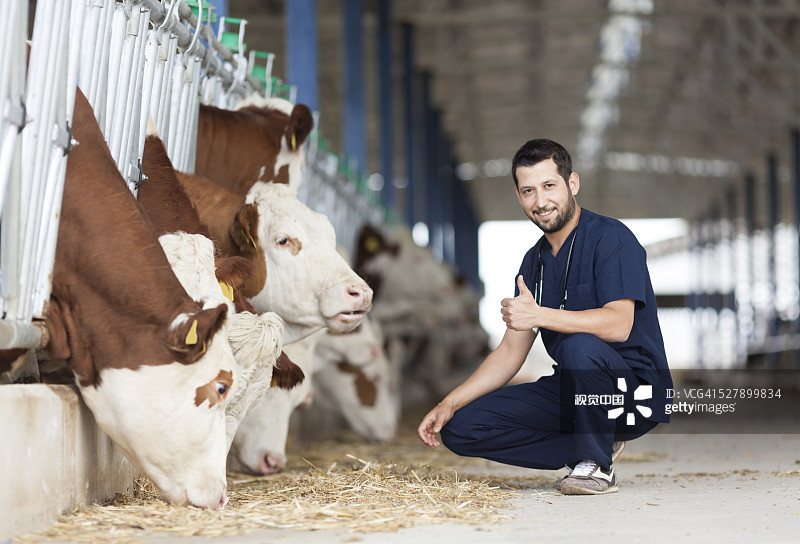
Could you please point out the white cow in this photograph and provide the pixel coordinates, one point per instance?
(353, 376)
(173, 420)
(260, 443)
(299, 275)
(308, 283)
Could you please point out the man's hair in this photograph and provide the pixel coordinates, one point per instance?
(535, 151)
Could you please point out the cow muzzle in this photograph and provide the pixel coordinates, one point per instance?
(359, 297)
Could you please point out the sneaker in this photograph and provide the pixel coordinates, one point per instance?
(616, 449)
(587, 478)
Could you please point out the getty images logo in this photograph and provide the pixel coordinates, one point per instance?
(643, 392)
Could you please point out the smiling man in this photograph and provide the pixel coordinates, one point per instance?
(586, 287)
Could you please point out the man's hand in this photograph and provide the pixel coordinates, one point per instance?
(433, 423)
(521, 313)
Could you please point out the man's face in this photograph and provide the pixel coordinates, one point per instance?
(547, 199)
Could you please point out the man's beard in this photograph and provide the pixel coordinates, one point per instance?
(556, 223)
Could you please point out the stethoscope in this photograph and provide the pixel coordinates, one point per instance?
(540, 279)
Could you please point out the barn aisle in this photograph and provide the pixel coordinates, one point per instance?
(697, 487)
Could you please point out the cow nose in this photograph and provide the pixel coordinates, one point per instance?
(271, 465)
(361, 293)
(223, 500)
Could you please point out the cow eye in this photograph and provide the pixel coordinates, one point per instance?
(221, 389)
(283, 241)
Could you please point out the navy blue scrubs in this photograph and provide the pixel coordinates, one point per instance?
(589, 401)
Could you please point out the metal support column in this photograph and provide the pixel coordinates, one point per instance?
(750, 222)
(796, 184)
(354, 113)
(386, 102)
(301, 50)
(431, 157)
(408, 114)
(730, 301)
(772, 182)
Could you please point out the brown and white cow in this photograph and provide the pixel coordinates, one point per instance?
(262, 140)
(350, 375)
(259, 446)
(256, 339)
(298, 273)
(152, 363)
(354, 377)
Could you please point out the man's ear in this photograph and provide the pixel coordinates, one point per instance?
(574, 183)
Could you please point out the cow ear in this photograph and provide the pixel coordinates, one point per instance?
(233, 271)
(191, 338)
(244, 229)
(286, 374)
(300, 124)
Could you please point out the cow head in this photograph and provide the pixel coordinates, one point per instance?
(355, 378)
(259, 446)
(170, 419)
(308, 283)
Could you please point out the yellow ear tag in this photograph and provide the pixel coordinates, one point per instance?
(191, 338)
(202, 351)
(372, 244)
(294, 142)
(227, 290)
(273, 382)
(248, 238)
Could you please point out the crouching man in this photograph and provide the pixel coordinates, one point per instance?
(586, 286)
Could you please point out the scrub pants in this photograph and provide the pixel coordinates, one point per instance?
(537, 425)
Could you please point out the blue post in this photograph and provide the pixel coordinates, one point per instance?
(385, 102)
(354, 114)
(408, 118)
(431, 157)
(221, 9)
(772, 181)
(796, 183)
(301, 51)
(750, 221)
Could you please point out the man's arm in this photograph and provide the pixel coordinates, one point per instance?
(494, 372)
(612, 322)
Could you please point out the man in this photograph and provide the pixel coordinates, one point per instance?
(585, 285)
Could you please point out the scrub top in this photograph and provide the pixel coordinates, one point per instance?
(607, 264)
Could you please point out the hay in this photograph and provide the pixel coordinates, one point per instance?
(358, 495)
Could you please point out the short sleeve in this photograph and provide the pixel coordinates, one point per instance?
(620, 268)
(527, 270)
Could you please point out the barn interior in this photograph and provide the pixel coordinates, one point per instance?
(683, 121)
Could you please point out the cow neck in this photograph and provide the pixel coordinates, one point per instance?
(234, 146)
(216, 208)
(162, 197)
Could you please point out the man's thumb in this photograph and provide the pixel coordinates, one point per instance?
(521, 284)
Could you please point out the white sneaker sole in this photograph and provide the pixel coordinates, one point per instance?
(575, 490)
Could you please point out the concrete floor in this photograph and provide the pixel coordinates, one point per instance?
(673, 488)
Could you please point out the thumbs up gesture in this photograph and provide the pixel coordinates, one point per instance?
(521, 312)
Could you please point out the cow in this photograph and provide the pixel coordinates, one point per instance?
(259, 446)
(354, 377)
(437, 320)
(262, 140)
(170, 210)
(350, 375)
(298, 273)
(152, 363)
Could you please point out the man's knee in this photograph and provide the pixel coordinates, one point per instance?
(582, 351)
(460, 433)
